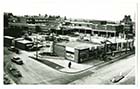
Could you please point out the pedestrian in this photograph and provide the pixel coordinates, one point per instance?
(69, 65)
(113, 54)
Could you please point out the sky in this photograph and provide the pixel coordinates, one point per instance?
(113, 10)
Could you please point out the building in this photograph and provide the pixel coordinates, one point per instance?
(105, 30)
(24, 44)
(80, 51)
(76, 51)
(8, 40)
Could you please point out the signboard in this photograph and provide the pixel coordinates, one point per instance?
(70, 53)
(69, 56)
(70, 49)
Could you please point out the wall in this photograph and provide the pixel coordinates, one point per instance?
(83, 55)
(7, 41)
(20, 45)
(59, 50)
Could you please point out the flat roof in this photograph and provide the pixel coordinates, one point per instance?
(25, 41)
(119, 40)
(18, 39)
(88, 28)
(10, 37)
(79, 45)
(77, 27)
(78, 22)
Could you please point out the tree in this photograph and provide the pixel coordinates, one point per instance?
(65, 18)
(6, 18)
(46, 15)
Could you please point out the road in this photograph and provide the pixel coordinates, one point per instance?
(105, 74)
(34, 72)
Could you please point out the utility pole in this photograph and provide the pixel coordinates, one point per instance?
(127, 41)
(36, 48)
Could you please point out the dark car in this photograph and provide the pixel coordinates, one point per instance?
(15, 72)
(7, 80)
(13, 49)
(17, 60)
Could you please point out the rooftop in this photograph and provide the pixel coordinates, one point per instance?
(25, 41)
(9, 37)
(80, 45)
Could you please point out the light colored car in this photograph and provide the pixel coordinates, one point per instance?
(117, 78)
(17, 60)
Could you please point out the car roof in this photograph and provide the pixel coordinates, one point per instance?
(16, 57)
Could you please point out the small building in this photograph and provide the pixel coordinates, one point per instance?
(78, 54)
(119, 45)
(8, 40)
(75, 51)
(24, 44)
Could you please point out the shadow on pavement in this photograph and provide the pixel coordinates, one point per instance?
(50, 64)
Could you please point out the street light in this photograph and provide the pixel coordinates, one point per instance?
(36, 43)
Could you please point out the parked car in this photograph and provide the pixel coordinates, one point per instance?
(13, 49)
(117, 78)
(15, 72)
(17, 60)
(6, 80)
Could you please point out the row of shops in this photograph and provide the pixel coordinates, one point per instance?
(80, 52)
(75, 50)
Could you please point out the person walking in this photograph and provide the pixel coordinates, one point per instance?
(69, 65)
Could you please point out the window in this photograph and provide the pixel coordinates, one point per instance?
(80, 25)
(69, 52)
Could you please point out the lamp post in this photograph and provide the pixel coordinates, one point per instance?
(36, 43)
(126, 40)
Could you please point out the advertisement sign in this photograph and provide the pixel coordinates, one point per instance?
(70, 56)
(70, 49)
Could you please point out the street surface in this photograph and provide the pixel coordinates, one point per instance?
(106, 73)
(35, 72)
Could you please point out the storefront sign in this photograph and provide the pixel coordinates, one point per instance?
(69, 49)
(70, 56)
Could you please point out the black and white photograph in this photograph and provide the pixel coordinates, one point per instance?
(70, 42)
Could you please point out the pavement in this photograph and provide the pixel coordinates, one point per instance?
(61, 64)
(129, 78)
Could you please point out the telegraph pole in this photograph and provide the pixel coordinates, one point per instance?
(36, 48)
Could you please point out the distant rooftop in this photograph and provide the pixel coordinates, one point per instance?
(78, 22)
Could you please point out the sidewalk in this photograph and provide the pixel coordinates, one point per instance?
(61, 64)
